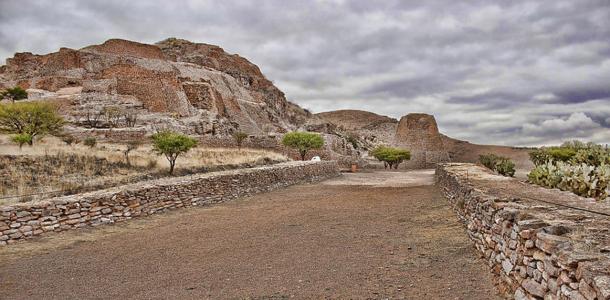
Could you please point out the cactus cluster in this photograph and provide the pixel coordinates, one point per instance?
(586, 173)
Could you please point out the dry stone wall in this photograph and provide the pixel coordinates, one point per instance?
(540, 244)
(25, 220)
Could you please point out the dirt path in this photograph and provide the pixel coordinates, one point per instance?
(331, 240)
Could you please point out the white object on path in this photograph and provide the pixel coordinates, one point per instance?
(316, 158)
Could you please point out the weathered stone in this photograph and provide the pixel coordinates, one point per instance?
(602, 285)
(534, 287)
(551, 243)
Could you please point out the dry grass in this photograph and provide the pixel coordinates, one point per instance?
(52, 166)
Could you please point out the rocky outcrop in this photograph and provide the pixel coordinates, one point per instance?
(190, 87)
(419, 134)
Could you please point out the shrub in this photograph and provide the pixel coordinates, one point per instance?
(16, 93)
(506, 167)
(554, 154)
(500, 164)
(171, 145)
(69, 139)
(303, 142)
(489, 160)
(35, 119)
(391, 157)
(352, 140)
(239, 138)
(131, 145)
(90, 142)
(22, 139)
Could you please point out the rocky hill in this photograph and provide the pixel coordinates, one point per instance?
(192, 87)
(122, 90)
(419, 133)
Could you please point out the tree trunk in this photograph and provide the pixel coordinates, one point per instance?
(172, 163)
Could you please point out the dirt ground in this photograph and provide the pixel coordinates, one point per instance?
(333, 240)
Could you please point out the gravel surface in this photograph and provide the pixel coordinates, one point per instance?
(308, 241)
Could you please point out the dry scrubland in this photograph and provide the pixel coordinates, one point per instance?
(52, 168)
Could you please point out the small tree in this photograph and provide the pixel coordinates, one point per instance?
(172, 144)
(303, 142)
(391, 157)
(16, 93)
(90, 142)
(239, 138)
(131, 145)
(35, 119)
(22, 139)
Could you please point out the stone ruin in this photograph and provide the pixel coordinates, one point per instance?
(419, 134)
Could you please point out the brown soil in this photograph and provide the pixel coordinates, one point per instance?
(307, 241)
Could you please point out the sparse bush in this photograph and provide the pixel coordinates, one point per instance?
(171, 145)
(69, 139)
(130, 119)
(489, 160)
(90, 142)
(131, 145)
(113, 115)
(22, 139)
(92, 119)
(303, 142)
(35, 119)
(352, 140)
(506, 167)
(391, 157)
(15, 93)
(503, 165)
(239, 138)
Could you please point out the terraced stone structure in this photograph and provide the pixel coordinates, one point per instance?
(540, 243)
(25, 220)
(419, 134)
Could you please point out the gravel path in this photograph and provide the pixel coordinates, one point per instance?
(308, 241)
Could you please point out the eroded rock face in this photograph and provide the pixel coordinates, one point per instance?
(191, 87)
(419, 134)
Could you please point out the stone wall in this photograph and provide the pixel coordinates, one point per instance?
(540, 243)
(25, 220)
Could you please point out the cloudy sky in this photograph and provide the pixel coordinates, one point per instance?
(497, 72)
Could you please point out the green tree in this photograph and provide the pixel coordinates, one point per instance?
(303, 142)
(35, 119)
(22, 139)
(171, 145)
(16, 93)
(391, 157)
(239, 138)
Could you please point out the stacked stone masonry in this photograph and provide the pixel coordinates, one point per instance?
(26, 220)
(540, 243)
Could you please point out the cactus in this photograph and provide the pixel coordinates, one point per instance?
(581, 179)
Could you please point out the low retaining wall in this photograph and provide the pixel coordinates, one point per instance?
(540, 243)
(25, 220)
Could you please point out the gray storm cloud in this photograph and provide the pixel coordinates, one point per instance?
(495, 72)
